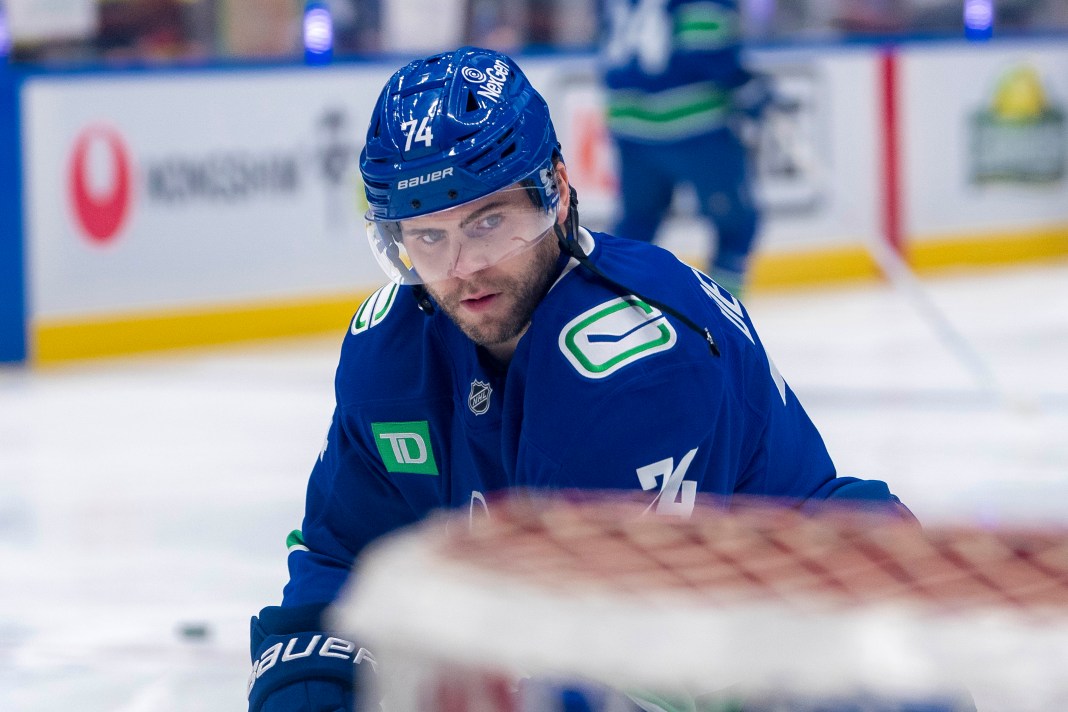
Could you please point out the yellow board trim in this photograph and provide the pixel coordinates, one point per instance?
(950, 251)
(782, 270)
(54, 341)
(66, 340)
(926, 255)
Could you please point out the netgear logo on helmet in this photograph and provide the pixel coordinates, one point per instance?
(491, 81)
(424, 179)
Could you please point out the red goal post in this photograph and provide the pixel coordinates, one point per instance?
(754, 597)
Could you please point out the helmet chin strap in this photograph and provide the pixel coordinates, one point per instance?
(569, 243)
(422, 298)
(569, 240)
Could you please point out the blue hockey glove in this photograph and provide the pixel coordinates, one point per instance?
(753, 98)
(297, 667)
(751, 103)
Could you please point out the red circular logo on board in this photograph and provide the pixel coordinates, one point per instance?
(100, 213)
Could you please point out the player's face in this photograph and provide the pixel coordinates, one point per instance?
(469, 238)
(493, 304)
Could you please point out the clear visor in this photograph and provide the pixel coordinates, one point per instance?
(459, 241)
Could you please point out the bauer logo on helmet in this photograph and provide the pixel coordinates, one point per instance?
(423, 179)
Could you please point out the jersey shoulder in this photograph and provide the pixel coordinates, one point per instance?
(655, 319)
(386, 342)
(602, 324)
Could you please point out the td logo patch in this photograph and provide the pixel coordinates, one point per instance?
(405, 447)
(602, 340)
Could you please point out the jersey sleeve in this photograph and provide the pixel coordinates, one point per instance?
(790, 458)
(792, 461)
(348, 504)
(350, 500)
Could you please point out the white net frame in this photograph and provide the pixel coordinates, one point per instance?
(760, 599)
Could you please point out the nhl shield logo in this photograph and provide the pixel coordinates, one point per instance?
(478, 400)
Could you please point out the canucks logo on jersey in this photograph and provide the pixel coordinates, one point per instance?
(604, 339)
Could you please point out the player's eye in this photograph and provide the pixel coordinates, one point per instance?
(428, 238)
(486, 225)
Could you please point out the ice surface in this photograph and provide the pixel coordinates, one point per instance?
(140, 497)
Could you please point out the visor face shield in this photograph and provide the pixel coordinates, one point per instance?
(462, 240)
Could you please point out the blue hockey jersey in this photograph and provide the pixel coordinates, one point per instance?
(670, 66)
(603, 392)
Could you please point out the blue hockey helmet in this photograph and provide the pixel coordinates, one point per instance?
(452, 128)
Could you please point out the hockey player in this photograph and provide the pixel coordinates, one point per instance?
(513, 348)
(678, 96)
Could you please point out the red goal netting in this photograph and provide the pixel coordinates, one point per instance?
(754, 601)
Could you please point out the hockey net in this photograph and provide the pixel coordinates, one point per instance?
(754, 601)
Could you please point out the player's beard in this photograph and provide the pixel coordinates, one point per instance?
(519, 292)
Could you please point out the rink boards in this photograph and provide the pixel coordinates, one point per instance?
(153, 209)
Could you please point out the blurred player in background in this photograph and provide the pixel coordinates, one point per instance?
(678, 95)
(515, 349)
